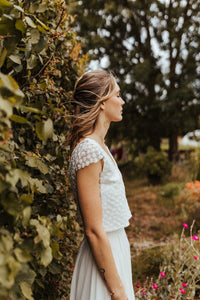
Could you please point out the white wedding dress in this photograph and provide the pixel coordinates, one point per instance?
(87, 283)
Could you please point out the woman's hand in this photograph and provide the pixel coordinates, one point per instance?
(120, 294)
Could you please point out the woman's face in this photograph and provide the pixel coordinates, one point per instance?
(112, 108)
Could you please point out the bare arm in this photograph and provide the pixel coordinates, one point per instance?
(90, 204)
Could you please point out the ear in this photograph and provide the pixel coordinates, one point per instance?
(102, 106)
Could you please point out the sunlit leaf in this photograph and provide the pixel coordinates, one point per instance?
(26, 215)
(28, 50)
(7, 242)
(31, 109)
(8, 82)
(19, 24)
(26, 198)
(18, 119)
(36, 163)
(44, 129)
(38, 185)
(22, 256)
(46, 256)
(19, 8)
(35, 36)
(15, 175)
(6, 106)
(42, 44)
(42, 7)
(26, 290)
(26, 274)
(4, 4)
(31, 62)
(43, 235)
(16, 59)
(30, 22)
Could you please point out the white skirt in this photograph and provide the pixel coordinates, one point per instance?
(87, 283)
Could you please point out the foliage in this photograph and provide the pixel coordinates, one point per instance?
(147, 264)
(154, 164)
(195, 163)
(37, 213)
(155, 57)
(170, 190)
(168, 194)
(188, 202)
(179, 276)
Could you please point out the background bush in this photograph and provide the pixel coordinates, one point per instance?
(38, 231)
(154, 164)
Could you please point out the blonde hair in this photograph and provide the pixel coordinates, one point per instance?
(90, 90)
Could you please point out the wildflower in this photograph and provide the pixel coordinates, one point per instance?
(182, 249)
(185, 225)
(195, 237)
(184, 284)
(182, 291)
(155, 286)
(172, 297)
(143, 293)
(162, 274)
(138, 286)
(195, 257)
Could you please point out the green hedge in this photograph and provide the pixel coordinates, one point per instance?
(38, 231)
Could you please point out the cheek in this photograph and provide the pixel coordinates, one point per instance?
(113, 105)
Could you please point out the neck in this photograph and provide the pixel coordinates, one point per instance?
(101, 129)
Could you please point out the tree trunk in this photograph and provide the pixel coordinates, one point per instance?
(173, 146)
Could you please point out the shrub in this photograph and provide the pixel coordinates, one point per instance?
(37, 212)
(179, 276)
(170, 190)
(154, 164)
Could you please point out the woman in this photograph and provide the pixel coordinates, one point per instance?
(103, 266)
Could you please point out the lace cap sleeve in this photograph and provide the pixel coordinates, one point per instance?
(86, 153)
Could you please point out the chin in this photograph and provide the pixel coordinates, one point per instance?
(118, 119)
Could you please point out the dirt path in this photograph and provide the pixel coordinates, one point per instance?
(154, 224)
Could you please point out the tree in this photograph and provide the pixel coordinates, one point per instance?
(182, 79)
(37, 213)
(134, 36)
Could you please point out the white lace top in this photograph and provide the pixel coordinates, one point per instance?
(116, 212)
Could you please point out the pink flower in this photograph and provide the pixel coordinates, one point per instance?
(182, 291)
(155, 286)
(138, 286)
(195, 257)
(182, 249)
(185, 225)
(184, 284)
(195, 237)
(172, 297)
(143, 293)
(162, 274)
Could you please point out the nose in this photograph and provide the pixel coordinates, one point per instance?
(123, 102)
